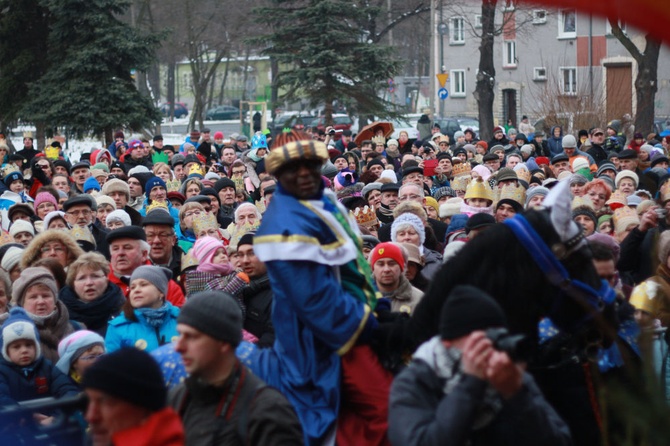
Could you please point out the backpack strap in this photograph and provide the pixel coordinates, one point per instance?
(243, 409)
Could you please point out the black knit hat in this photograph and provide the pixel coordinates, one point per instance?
(142, 177)
(131, 375)
(223, 183)
(468, 309)
(214, 313)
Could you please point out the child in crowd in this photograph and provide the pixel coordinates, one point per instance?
(24, 373)
(214, 271)
(78, 352)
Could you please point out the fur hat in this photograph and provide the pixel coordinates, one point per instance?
(116, 185)
(104, 199)
(37, 275)
(74, 345)
(33, 252)
(626, 174)
(408, 219)
(451, 207)
(19, 326)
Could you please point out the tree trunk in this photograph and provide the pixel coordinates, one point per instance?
(274, 91)
(172, 67)
(484, 93)
(646, 86)
(225, 80)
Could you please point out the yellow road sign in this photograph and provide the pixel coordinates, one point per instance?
(442, 78)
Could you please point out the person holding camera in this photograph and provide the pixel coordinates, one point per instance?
(464, 387)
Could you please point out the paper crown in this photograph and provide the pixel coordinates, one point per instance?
(196, 169)
(512, 192)
(9, 168)
(443, 138)
(52, 152)
(460, 183)
(155, 204)
(461, 169)
(6, 238)
(523, 174)
(204, 221)
(366, 216)
(188, 261)
(617, 200)
(624, 217)
(479, 189)
(584, 201)
(644, 296)
(379, 140)
(173, 185)
(307, 149)
(82, 234)
(664, 193)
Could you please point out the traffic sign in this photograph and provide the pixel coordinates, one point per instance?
(442, 78)
(443, 93)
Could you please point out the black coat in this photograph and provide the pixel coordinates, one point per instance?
(258, 301)
(44, 380)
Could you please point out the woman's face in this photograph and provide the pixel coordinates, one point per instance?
(115, 225)
(352, 164)
(586, 223)
(408, 235)
(44, 208)
(164, 174)
(57, 223)
(55, 250)
(643, 155)
(605, 227)
(432, 213)
(3, 298)
(598, 197)
(144, 294)
(246, 216)
(626, 186)
(478, 202)
(103, 210)
(403, 138)
(87, 359)
(577, 189)
(39, 300)
(187, 221)
(90, 284)
(192, 190)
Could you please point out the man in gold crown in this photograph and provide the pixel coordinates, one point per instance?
(511, 199)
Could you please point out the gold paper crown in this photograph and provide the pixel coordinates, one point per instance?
(461, 169)
(644, 296)
(512, 192)
(204, 221)
(6, 238)
(196, 169)
(460, 183)
(307, 149)
(155, 204)
(479, 189)
(523, 174)
(664, 193)
(379, 140)
(617, 200)
(52, 152)
(83, 234)
(366, 216)
(584, 201)
(624, 213)
(173, 185)
(187, 261)
(9, 168)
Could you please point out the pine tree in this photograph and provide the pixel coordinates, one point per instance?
(88, 86)
(326, 56)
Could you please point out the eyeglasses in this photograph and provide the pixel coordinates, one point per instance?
(46, 205)
(43, 166)
(83, 213)
(46, 249)
(90, 357)
(161, 236)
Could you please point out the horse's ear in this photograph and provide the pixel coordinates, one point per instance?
(558, 200)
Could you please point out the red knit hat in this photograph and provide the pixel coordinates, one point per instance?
(388, 250)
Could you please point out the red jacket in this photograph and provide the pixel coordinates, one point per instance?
(175, 294)
(162, 428)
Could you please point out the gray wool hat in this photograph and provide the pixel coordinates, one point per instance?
(214, 313)
(157, 275)
(36, 275)
(370, 187)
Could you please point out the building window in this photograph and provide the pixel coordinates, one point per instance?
(478, 20)
(539, 16)
(457, 31)
(509, 54)
(457, 79)
(567, 24)
(608, 27)
(568, 80)
(539, 74)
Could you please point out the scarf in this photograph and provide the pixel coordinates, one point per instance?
(446, 364)
(470, 211)
(40, 320)
(155, 317)
(384, 214)
(52, 329)
(96, 313)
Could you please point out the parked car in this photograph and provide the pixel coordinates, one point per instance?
(222, 113)
(180, 109)
(448, 126)
(402, 124)
(340, 122)
(292, 120)
(467, 122)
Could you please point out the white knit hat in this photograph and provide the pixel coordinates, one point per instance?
(51, 215)
(19, 326)
(21, 226)
(11, 258)
(626, 174)
(118, 215)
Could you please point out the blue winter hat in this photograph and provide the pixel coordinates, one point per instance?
(153, 182)
(19, 326)
(91, 183)
(9, 179)
(74, 345)
(457, 223)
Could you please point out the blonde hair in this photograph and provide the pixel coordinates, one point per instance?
(91, 260)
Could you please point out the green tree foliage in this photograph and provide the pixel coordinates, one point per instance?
(87, 85)
(326, 56)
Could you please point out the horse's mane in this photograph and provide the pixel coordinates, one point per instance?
(496, 262)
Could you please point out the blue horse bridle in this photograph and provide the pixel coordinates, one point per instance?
(554, 270)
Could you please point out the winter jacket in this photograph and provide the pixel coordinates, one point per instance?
(39, 380)
(97, 313)
(405, 297)
(421, 414)
(175, 294)
(129, 162)
(162, 428)
(554, 143)
(258, 415)
(100, 235)
(432, 263)
(258, 319)
(597, 152)
(139, 334)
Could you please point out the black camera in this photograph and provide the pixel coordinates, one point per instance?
(518, 347)
(331, 132)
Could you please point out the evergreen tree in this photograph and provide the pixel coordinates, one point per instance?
(326, 56)
(88, 86)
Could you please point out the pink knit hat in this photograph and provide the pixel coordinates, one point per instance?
(45, 197)
(205, 248)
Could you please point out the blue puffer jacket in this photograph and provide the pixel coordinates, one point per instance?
(40, 380)
(124, 333)
(555, 143)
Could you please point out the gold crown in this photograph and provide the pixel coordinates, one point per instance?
(379, 140)
(461, 169)
(625, 213)
(523, 174)
(664, 193)
(307, 149)
(196, 169)
(9, 168)
(584, 201)
(83, 234)
(6, 238)
(204, 221)
(52, 152)
(512, 192)
(155, 204)
(173, 185)
(443, 138)
(479, 189)
(187, 261)
(617, 200)
(460, 183)
(644, 296)
(366, 216)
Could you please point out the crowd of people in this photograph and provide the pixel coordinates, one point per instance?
(219, 292)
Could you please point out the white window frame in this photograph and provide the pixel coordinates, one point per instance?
(457, 79)
(538, 76)
(539, 16)
(509, 6)
(562, 34)
(608, 27)
(562, 71)
(509, 54)
(478, 21)
(456, 33)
